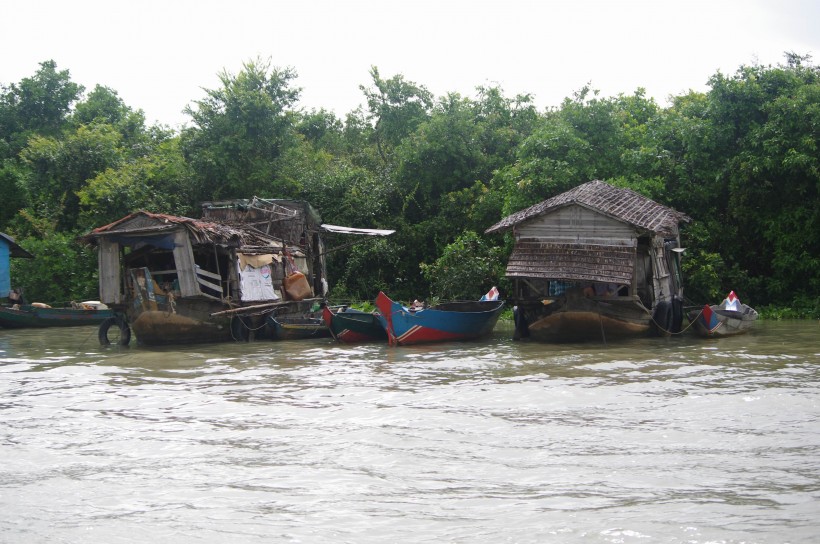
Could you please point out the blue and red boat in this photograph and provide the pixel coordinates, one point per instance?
(444, 322)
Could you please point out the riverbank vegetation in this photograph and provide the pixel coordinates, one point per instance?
(741, 159)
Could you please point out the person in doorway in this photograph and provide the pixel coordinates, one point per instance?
(599, 289)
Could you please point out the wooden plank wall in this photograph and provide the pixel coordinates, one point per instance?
(576, 224)
(109, 269)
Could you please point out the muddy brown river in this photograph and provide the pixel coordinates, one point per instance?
(668, 440)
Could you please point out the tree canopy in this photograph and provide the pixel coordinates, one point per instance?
(741, 159)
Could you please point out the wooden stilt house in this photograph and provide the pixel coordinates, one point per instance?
(176, 280)
(595, 262)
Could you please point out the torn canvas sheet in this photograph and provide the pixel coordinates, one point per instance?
(256, 283)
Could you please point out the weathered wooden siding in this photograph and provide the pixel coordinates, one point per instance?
(533, 258)
(109, 268)
(660, 272)
(579, 225)
(185, 265)
(621, 204)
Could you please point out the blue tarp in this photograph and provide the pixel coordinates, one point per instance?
(136, 242)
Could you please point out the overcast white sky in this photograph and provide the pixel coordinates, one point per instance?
(159, 54)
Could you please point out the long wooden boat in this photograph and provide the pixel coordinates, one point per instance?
(26, 315)
(351, 326)
(296, 327)
(716, 321)
(448, 321)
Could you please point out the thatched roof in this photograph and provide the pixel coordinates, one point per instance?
(576, 262)
(200, 232)
(621, 204)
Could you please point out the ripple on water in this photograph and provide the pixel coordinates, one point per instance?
(669, 440)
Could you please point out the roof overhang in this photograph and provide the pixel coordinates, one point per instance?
(352, 230)
(572, 262)
(14, 249)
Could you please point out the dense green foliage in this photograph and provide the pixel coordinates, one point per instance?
(741, 159)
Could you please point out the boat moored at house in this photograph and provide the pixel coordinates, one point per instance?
(177, 280)
(351, 326)
(17, 313)
(729, 318)
(594, 263)
(447, 321)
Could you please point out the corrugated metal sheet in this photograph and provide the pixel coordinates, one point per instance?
(290, 220)
(353, 230)
(201, 232)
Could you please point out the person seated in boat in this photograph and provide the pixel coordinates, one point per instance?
(599, 289)
(16, 297)
(416, 306)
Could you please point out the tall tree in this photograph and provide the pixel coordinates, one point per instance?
(241, 131)
(60, 167)
(772, 176)
(396, 107)
(35, 105)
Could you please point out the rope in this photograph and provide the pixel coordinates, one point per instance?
(683, 330)
(244, 325)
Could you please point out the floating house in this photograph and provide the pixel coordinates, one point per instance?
(595, 262)
(177, 280)
(8, 250)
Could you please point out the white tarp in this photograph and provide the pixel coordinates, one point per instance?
(256, 282)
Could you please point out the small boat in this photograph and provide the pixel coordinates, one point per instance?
(352, 326)
(729, 318)
(19, 314)
(290, 327)
(37, 315)
(447, 321)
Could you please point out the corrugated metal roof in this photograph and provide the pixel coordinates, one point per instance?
(621, 204)
(353, 230)
(202, 232)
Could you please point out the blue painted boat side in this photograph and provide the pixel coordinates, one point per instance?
(30, 316)
(404, 325)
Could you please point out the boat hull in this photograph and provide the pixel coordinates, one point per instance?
(720, 323)
(296, 328)
(445, 322)
(574, 317)
(579, 326)
(31, 316)
(351, 326)
(153, 328)
(199, 321)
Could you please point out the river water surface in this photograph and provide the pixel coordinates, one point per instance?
(673, 440)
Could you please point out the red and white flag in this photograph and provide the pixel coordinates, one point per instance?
(492, 294)
(732, 302)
